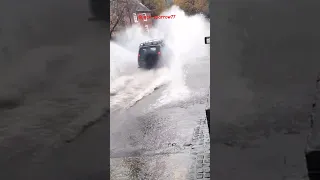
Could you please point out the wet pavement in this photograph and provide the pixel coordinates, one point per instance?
(262, 87)
(201, 152)
(162, 142)
(156, 145)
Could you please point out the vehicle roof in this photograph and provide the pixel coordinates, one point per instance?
(153, 42)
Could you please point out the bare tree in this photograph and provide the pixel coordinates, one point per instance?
(116, 15)
(121, 13)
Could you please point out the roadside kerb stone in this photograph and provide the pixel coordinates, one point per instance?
(200, 151)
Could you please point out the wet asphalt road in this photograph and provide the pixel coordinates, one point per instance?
(155, 143)
(263, 76)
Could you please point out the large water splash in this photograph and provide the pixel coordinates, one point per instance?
(184, 35)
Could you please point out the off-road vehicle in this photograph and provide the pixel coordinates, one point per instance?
(151, 54)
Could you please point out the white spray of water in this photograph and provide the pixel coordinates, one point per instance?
(184, 35)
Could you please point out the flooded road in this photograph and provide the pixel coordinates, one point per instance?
(128, 84)
(153, 140)
(154, 113)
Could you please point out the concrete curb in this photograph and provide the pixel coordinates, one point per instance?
(200, 152)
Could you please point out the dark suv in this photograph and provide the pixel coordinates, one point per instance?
(150, 54)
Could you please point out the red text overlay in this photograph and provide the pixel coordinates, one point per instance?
(156, 17)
